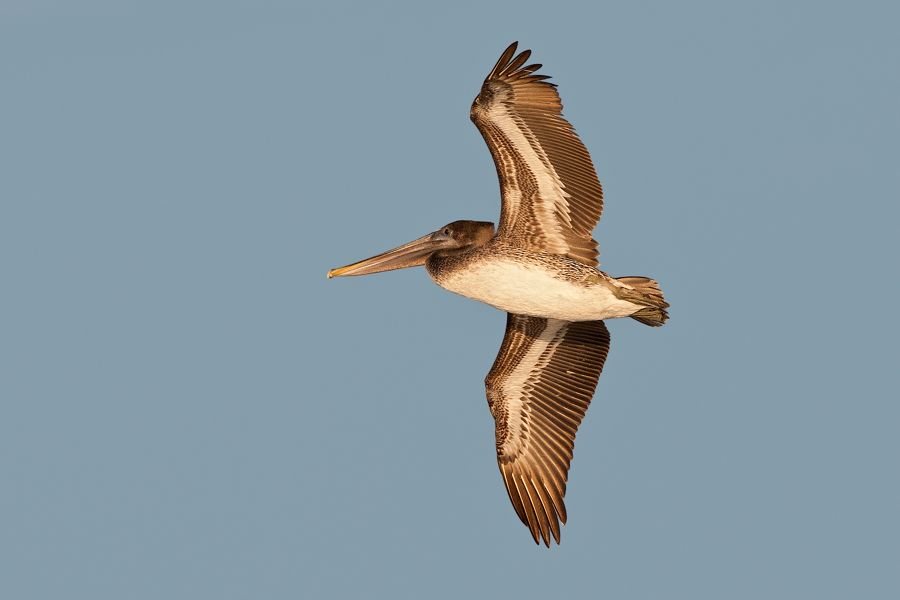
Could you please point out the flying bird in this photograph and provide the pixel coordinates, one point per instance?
(540, 266)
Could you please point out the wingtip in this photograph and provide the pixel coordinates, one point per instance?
(510, 66)
(504, 59)
(545, 539)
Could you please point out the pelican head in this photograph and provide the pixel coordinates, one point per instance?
(452, 238)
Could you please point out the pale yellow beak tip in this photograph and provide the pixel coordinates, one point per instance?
(330, 274)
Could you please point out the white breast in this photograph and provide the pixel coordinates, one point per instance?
(531, 290)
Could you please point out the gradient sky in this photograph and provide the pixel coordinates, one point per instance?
(189, 409)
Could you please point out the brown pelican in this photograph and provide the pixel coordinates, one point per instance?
(540, 266)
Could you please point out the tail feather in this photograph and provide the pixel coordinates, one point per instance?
(646, 292)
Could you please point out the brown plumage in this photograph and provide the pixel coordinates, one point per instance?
(551, 197)
(538, 391)
(540, 266)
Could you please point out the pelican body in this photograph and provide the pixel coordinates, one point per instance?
(540, 267)
(531, 283)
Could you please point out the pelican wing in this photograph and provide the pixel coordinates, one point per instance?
(552, 199)
(538, 391)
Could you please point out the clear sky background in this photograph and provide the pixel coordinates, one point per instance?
(189, 409)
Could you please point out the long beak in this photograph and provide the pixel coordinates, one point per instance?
(413, 254)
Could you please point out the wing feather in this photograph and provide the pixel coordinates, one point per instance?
(551, 197)
(538, 390)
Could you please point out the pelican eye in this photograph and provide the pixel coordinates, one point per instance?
(446, 231)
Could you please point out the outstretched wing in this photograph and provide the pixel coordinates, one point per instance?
(552, 199)
(538, 391)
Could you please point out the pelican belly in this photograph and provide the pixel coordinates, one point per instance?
(534, 290)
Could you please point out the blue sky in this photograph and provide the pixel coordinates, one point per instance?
(190, 410)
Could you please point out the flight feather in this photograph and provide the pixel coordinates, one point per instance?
(538, 391)
(551, 197)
